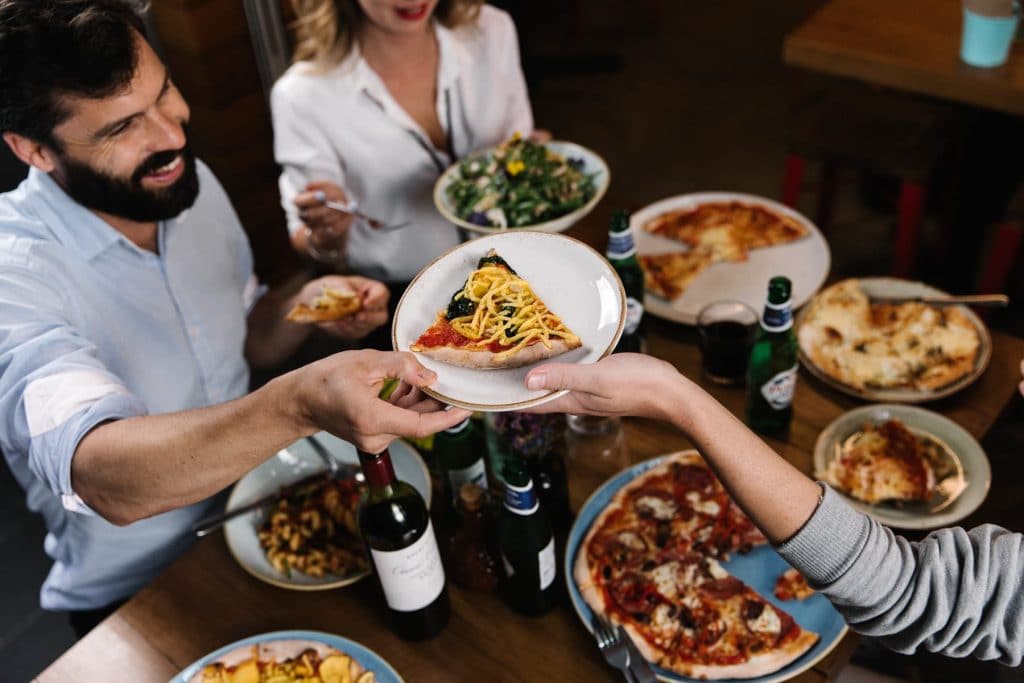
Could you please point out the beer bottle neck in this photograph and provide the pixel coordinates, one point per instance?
(777, 317)
(521, 499)
(620, 245)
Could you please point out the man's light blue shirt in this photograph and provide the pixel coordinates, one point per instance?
(92, 329)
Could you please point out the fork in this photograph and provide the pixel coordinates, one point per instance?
(352, 207)
(613, 648)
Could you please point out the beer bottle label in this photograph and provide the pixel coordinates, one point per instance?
(621, 245)
(634, 314)
(546, 561)
(777, 317)
(521, 500)
(476, 473)
(778, 391)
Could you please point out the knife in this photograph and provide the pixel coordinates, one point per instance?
(996, 300)
(640, 667)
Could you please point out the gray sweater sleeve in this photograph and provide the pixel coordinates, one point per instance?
(957, 592)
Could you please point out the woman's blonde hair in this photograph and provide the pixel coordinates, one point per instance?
(325, 30)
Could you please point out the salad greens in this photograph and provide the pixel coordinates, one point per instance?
(520, 183)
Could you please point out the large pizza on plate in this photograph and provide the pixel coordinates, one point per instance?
(650, 562)
(495, 320)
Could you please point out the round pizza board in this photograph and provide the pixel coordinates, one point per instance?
(758, 569)
(287, 644)
(805, 262)
(896, 287)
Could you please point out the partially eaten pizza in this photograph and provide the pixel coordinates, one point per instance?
(332, 304)
(650, 562)
(885, 462)
(715, 232)
(495, 321)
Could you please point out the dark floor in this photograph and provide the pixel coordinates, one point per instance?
(695, 98)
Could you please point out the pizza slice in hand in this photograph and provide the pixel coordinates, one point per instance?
(495, 321)
(332, 304)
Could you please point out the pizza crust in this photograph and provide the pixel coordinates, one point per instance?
(757, 665)
(489, 360)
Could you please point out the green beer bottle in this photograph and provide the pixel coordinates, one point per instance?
(622, 255)
(527, 546)
(771, 374)
(460, 457)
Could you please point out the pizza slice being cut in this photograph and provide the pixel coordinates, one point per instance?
(668, 275)
(332, 304)
(495, 321)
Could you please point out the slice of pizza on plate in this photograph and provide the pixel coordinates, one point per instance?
(668, 275)
(331, 304)
(495, 321)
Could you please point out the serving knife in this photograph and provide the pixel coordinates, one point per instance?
(210, 524)
(992, 300)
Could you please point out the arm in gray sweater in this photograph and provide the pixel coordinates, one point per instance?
(957, 592)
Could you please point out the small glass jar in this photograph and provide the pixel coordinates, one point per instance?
(596, 449)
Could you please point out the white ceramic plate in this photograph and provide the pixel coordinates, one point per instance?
(575, 282)
(592, 165)
(888, 286)
(805, 262)
(976, 469)
(290, 465)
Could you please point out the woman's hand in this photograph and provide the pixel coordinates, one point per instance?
(327, 229)
(622, 384)
(372, 295)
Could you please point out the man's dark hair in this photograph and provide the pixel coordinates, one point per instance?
(51, 48)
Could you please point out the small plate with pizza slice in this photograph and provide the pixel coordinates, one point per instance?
(699, 248)
(905, 466)
(486, 311)
(662, 549)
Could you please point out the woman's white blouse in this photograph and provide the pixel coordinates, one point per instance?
(343, 126)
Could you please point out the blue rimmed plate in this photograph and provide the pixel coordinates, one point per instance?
(758, 569)
(286, 644)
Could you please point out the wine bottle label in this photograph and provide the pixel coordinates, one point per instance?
(412, 577)
(521, 500)
(777, 317)
(476, 473)
(634, 314)
(546, 560)
(778, 391)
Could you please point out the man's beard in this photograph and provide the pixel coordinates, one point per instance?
(127, 198)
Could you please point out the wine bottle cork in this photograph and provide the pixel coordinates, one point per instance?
(472, 496)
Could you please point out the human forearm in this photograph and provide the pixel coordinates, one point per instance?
(271, 338)
(753, 473)
(131, 469)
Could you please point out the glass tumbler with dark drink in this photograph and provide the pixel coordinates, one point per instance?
(727, 330)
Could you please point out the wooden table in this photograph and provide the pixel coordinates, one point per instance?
(911, 45)
(205, 600)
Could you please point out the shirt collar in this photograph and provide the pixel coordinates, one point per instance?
(74, 225)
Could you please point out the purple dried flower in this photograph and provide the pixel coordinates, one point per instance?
(478, 218)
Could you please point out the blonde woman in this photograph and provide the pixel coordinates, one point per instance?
(382, 97)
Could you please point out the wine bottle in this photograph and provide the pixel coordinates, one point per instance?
(397, 531)
(527, 545)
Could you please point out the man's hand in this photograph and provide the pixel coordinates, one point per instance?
(622, 384)
(328, 228)
(340, 394)
(372, 295)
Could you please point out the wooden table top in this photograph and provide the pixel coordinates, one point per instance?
(205, 600)
(911, 45)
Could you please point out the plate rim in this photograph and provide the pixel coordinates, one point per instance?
(322, 637)
(917, 522)
(662, 307)
(283, 583)
(529, 403)
(905, 396)
(442, 182)
(568, 561)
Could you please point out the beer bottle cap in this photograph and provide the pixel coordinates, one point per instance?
(779, 290)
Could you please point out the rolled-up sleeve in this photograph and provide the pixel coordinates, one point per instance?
(53, 387)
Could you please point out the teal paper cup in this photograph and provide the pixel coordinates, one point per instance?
(986, 40)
